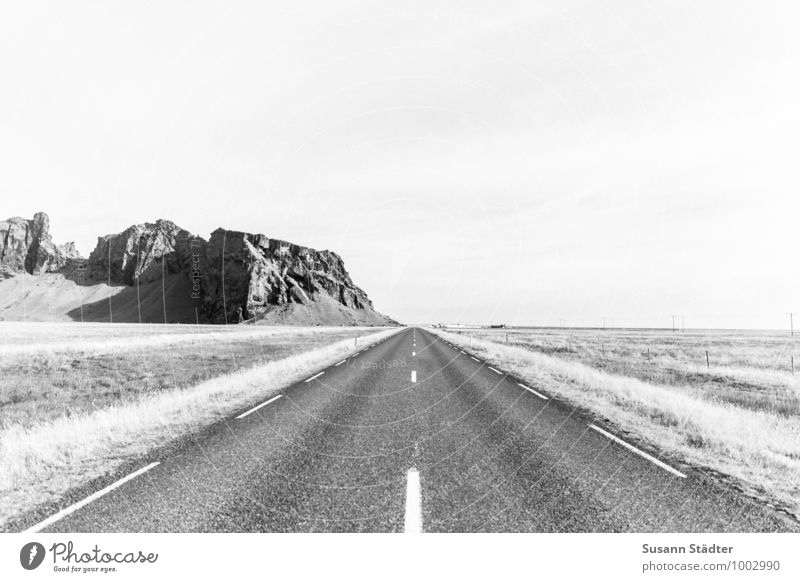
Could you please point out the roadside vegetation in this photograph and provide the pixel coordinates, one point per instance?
(136, 397)
(52, 370)
(738, 416)
(749, 369)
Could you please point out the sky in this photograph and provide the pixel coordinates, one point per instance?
(548, 163)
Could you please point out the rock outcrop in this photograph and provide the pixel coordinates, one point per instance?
(27, 247)
(160, 272)
(237, 276)
(261, 275)
(143, 252)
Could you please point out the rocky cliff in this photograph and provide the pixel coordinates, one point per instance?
(160, 272)
(27, 247)
(144, 251)
(266, 277)
(236, 276)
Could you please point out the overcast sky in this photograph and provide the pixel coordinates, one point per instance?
(520, 162)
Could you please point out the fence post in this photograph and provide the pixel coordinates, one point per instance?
(708, 363)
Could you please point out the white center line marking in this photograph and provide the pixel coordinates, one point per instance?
(252, 410)
(340, 363)
(462, 351)
(413, 353)
(75, 507)
(413, 521)
(529, 389)
(413, 375)
(638, 452)
(495, 371)
(315, 376)
(474, 358)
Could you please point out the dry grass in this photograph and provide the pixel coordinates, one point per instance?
(749, 369)
(758, 446)
(44, 460)
(53, 370)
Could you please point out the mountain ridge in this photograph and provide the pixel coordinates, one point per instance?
(233, 277)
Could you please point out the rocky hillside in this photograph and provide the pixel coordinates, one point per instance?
(26, 247)
(159, 272)
(143, 251)
(263, 276)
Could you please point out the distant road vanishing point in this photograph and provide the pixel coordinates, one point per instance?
(411, 434)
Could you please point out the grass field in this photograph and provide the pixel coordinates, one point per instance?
(749, 369)
(80, 400)
(737, 415)
(49, 370)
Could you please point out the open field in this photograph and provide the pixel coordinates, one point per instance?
(76, 407)
(738, 417)
(49, 370)
(747, 368)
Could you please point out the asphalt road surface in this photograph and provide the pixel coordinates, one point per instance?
(412, 434)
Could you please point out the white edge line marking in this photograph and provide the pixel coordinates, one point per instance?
(495, 371)
(413, 518)
(476, 359)
(340, 363)
(650, 458)
(529, 389)
(315, 376)
(76, 506)
(252, 410)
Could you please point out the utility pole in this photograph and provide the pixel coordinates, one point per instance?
(675, 327)
(791, 323)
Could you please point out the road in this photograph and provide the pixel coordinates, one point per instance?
(412, 434)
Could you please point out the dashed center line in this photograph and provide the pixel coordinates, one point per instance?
(340, 363)
(413, 518)
(315, 376)
(642, 454)
(252, 410)
(474, 358)
(495, 371)
(413, 375)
